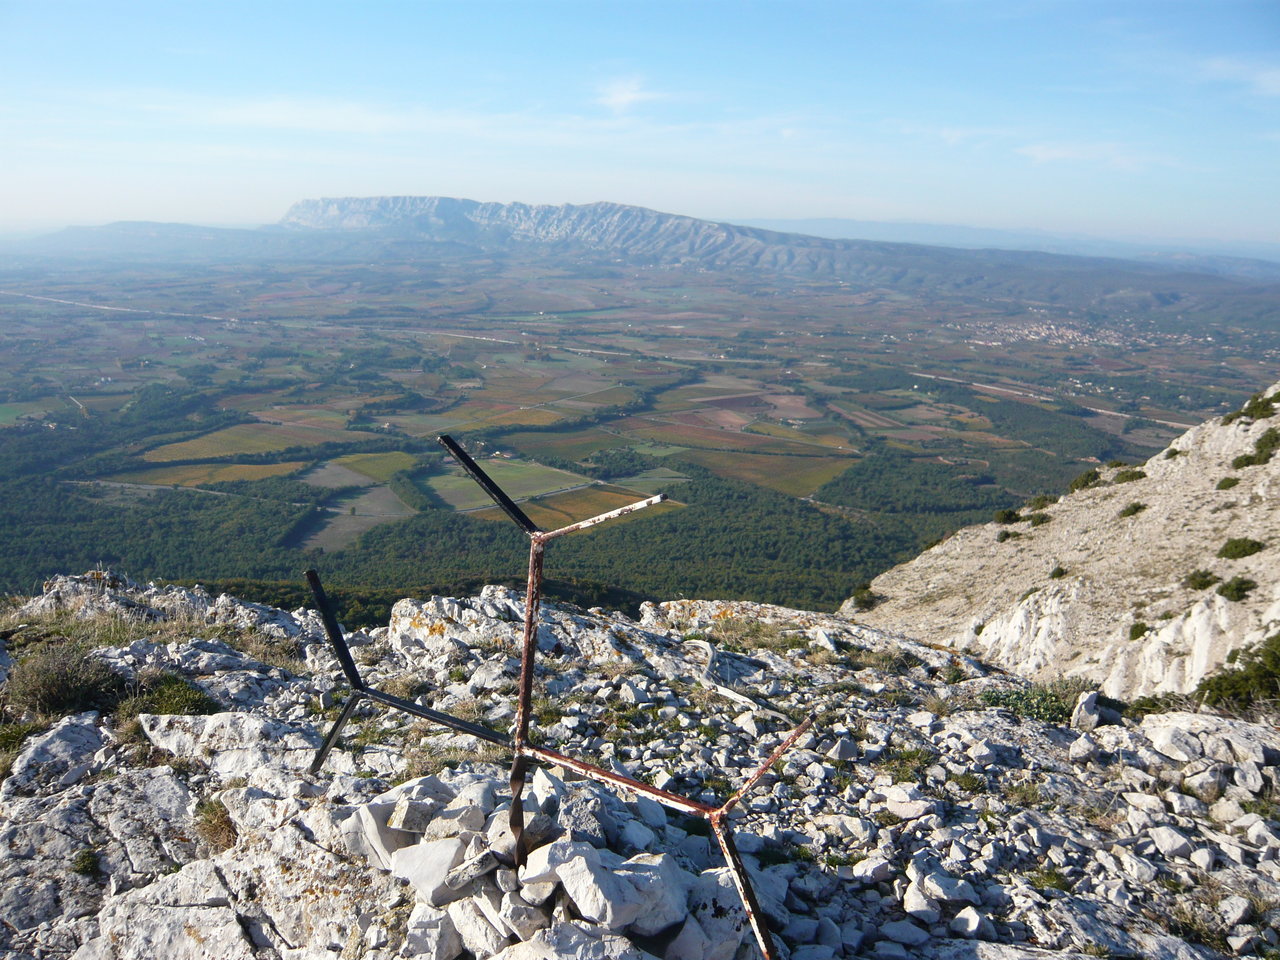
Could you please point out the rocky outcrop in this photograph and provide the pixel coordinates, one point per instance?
(916, 819)
(1120, 583)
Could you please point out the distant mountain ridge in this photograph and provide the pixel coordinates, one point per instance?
(643, 237)
(432, 229)
(1243, 260)
(649, 235)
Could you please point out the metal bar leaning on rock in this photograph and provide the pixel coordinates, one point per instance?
(716, 816)
(523, 751)
(361, 690)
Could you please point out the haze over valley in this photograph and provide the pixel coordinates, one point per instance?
(216, 403)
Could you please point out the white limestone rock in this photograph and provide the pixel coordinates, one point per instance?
(715, 904)
(46, 758)
(566, 941)
(426, 867)
(235, 745)
(664, 888)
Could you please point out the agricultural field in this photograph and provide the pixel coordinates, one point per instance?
(580, 386)
(196, 474)
(333, 475)
(327, 417)
(794, 476)
(379, 467)
(246, 438)
(657, 480)
(10, 413)
(707, 438)
(561, 509)
(355, 517)
(521, 479)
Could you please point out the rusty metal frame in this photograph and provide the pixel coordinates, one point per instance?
(524, 751)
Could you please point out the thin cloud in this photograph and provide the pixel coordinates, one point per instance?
(623, 94)
(1262, 79)
(311, 116)
(1116, 156)
(955, 136)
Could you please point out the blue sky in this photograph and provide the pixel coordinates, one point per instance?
(1118, 119)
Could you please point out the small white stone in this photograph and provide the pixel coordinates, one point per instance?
(1170, 842)
(904, 932)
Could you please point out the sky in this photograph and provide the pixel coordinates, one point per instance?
(1155, 120)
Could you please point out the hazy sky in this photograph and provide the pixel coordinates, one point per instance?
(1115, 118)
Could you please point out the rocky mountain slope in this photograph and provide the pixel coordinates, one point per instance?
(639, 235)
(937, 809)
(1143, 581)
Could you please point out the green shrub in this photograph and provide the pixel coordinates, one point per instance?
(1057, 573)
(1007, 516)
(1264, 448)
(86, 864)
(1137, 630)
(214, 824)
(57, 679)
(166, 693)
(1201, 580)
(11, 737)
(1226, 483)
(969, 782)
(1039, 519)
(1050, 702)
(1171, 453)
(1049, 878)
(1117, 463)
(1087, 479)
(1041, 501)
(1025, 794)
(863, 597)
(1257, 407)
(1238, 547)
(1142, 706)
(907, 765)
(1237, 588)
(1254, 679)
(12, 734)
(1129, 475)
(1132, 509)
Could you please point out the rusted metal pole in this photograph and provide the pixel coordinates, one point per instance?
(524, 705)
(761, 770)
(524, 751)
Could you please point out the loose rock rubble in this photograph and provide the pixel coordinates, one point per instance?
(913, 821)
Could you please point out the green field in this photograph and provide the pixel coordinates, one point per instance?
(195, 474)
(562, 509)
(10, 412)
(569, 445)
(796, 476)
(319, 416)
(377, 466)
(250, 438)
(652, 481)
(520, 479)
(705, 438)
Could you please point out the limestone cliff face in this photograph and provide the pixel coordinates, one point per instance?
(614, 231)
(1063, 598)
(631, 231)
